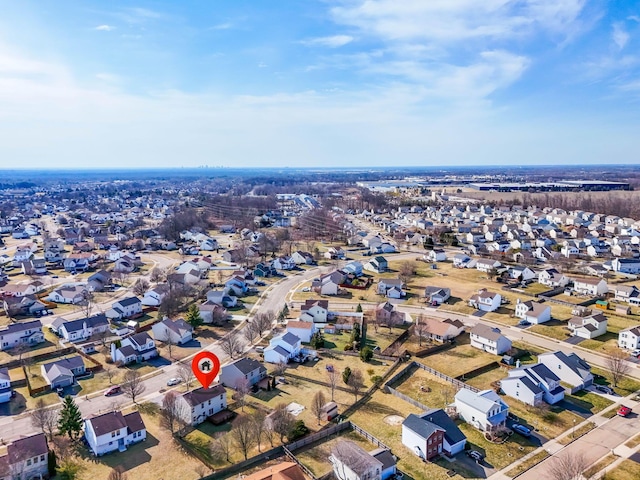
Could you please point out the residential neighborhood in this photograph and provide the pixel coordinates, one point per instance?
(484, 350)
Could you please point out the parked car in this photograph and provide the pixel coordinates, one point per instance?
(635, 353)
(605, 389)
(521, 429)
(476, 455)
(173, 381)
(624, 411)
(524, 323)
(114, 390)
(306, 289)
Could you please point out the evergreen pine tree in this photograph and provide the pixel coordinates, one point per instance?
(193, 316)
(70, 421)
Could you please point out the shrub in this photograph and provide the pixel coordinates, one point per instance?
(366, 354)
(377, 379)
(346, 373)
(347, 347)
(299, 430)
(370, 371)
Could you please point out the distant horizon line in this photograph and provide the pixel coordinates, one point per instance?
(361, 168)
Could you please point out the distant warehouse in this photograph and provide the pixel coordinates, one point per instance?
(560, 186)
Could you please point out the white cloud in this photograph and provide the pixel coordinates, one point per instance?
(333, 41)
(105, 28)
(222, 26)
(619, 35)
(262, 65)
(457, 20)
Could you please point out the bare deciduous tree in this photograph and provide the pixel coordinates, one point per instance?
(334, 377)
(45, 419)
(281, 420)
(617, 365)
(110, 372)
(157, 275)
(250, 332)
(231, 344)
(185, 373)
(317, 405)
(567, 465)
(263, 321)
(407, 270)
(258, 425)
(279, 368)
(356, 382)
(221, 446)
(133, 385)
(140, 286)
(420, 328)
(243, 435)
(173, 412)
(242, 389)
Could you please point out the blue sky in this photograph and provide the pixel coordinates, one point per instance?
(318, 83)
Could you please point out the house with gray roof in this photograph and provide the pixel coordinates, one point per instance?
(351, 462)
(199, 404)
(485, 410)
(134, 348)
(27, 455)
(282, 348)
(532, 385)
(113, 431)
(432, 433)
(570, 369)
(177, 331)
(63, 372)
(25, 333)
(489, 339)
(128, 307)
(242, 369)
(84, 328)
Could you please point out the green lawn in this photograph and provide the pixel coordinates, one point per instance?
(592, 402)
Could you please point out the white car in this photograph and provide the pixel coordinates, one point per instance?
(173, 381)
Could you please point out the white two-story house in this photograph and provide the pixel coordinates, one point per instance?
(629, 338)
(591, 326)
(533, 312)
(484, 410)
(201, 403)
(489, 339)
(570, 369)
(282, 348)
(485, 300)
(533, 385)
(113, 431)
(84, 328)
(27, 333)
(135, 348)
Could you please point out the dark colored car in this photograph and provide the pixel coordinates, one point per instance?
(521, 429)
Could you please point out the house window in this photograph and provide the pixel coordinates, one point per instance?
(113, 434)
(35, 460)
(42, 458)
(28, 462)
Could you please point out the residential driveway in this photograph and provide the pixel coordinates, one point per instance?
(574, 340)
(462, 461)
(479, 313)
(572, 407)
(158, 362)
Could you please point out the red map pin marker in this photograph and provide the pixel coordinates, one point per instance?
(205, 366)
